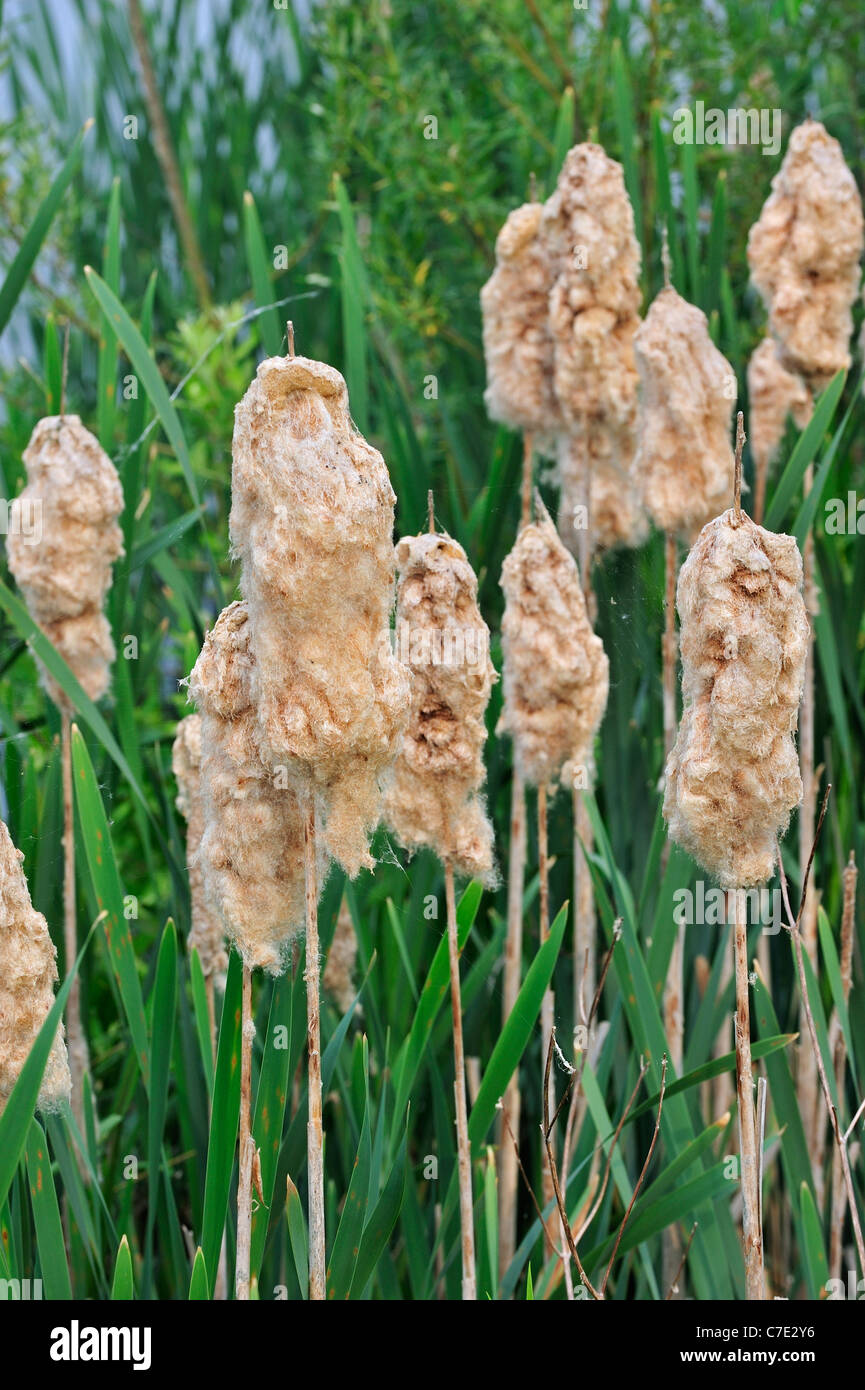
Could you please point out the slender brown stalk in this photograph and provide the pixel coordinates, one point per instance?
(673, 1290)
(674, 985)
(526, 491)
(165, 153)
(510, 1117)
(246, 1147)
(314, 1136)
(548, 1001)
(463, 1149)
(640, 1180)
(76, 1043)
(839, 1195)
(560, 1201)
(751, 1230)
(813, 1118)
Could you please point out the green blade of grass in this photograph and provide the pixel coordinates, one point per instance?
(803, 453)
(223, 1121)
(123, 1283)
(199, 1291)
(162, 1041)
(260, 268)
(46, 1216)
(107, 369)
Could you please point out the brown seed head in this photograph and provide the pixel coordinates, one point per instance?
(773, 394)
(684, 463)
(804, 255)
(732, 778)
(207, 933)
(72, 498)
(312, 521)
(555, 672)
(28, 971)
(434, 799)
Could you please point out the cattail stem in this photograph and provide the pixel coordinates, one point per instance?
(508, 1167)
(548, 1002)
(751, 1228)
(314, 1136)
(76, 1043)
(463, 1148)
(839, 1190)
(526, 494)
(674, 985)
(811, 1110)
(246, 1147)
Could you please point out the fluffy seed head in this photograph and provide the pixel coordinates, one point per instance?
(28, 971)
(684, 464)
(594, 304)
(434, 799)
(63, 539)
(804, 255)
(207, 934)
(555, 672)
(312, 521)
(517, 343)
(732, 778)
(773, 393)
(602, 455)
(251, 848)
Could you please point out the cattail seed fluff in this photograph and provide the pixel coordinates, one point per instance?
(773, 394)
(684, 463)
(732, 778)
(251, 848)
(555, 670)
(435, 799)
(28, 972)
(804, 253)
(207, 934)
(63, 539)
(517, 343)
(312, 520)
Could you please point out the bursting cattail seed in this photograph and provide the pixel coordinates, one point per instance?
(312, 520)
(251, 849)
(517, 344)
(684, 463)
(62, 557)
(435, 797)
(207, 935)
(804, 253)
(555, 670)
(28, 972)
(732, 778)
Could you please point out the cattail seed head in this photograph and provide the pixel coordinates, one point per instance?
(804, 255)
(615, 514)
(773, 394)
(555, 671)
(684, 462)
(312, 520)
(595, 300)
(732, 778)
(28, 972)
(63, 569)
(207, 934)
(434, 799)
(517, 342)
(251, 848)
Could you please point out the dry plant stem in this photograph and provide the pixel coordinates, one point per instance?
(76, 1043)
(548, 1002)
(565, 1224)
(674, 1286)
(508, 1169)
(839, 1195)
(526, 494)
(751, 1231)
(645, 1168)
(584, 908)
(674, 986)
(808, 1083)
(314, 1136)
(246, 1147)
(840, 1139)
(463, 1149)
(167, 157)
